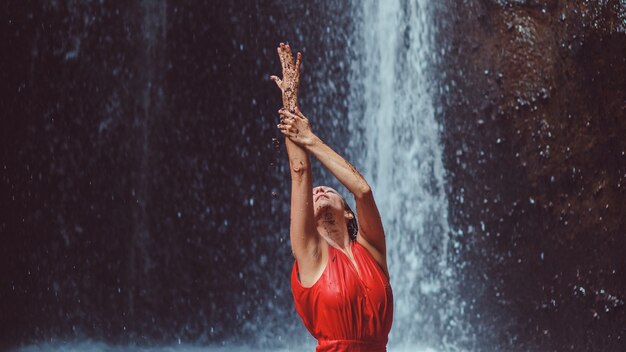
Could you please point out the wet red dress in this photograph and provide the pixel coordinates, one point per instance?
(343, 310)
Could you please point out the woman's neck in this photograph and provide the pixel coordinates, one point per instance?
(333, 230)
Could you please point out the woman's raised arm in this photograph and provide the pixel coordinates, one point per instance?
(305, 241)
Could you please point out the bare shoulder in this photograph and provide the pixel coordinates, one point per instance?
(311, 265)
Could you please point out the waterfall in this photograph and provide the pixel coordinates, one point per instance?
(396, 141)
(149, 108)
(186, 132)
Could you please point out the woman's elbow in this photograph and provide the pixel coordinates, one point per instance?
(363, 191)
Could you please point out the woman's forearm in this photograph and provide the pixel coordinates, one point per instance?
(298, 158)
(339, 167)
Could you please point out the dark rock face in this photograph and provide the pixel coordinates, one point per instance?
(534, 97)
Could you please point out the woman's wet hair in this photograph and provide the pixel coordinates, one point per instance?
(353, 225)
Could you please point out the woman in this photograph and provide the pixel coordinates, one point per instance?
(340, 280)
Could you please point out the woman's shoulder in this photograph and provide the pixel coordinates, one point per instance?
(310, 277)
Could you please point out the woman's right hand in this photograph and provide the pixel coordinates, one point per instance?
(296, 127)
(291, 76)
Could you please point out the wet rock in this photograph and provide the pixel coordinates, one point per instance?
(558, 109)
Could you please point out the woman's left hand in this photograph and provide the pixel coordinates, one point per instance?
(296, 127)
(290, 83)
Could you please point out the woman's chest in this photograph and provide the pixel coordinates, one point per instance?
(347, 288)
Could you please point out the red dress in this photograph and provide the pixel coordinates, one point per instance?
(343, 310)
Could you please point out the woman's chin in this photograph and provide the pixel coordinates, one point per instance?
(320, 207)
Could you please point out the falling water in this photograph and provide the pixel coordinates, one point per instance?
(393, 117)
(394, 141)
(153, 25)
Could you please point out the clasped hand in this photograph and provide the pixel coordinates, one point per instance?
(296, 127)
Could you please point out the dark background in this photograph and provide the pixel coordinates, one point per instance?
(534, 116)
(143, 198)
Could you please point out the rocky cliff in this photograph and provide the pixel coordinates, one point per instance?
(534, 109)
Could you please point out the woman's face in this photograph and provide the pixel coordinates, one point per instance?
(326, 198)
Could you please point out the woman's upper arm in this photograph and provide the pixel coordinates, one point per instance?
(370, 223)
(305, 241)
